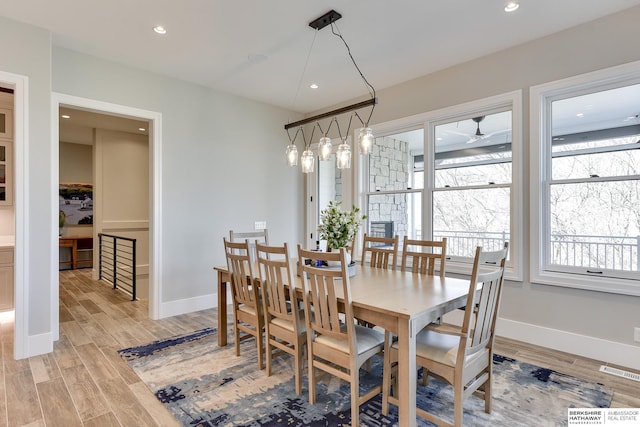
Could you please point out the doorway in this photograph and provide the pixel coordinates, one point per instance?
(111, 113)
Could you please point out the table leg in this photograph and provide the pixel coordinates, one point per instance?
(407, 373)
(222, 310)
(74, 254)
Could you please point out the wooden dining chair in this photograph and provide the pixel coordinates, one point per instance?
(422, 256)
(261, 236)
(462, 357)
(380, 252)
(283, 319)
(335, 344)
(248, 317)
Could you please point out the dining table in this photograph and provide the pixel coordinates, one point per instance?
(399, 301)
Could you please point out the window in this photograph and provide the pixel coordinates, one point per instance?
(586, 181)
(472, 185)
(393, 185)
(451, 173)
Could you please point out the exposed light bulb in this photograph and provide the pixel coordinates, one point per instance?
(292, 155)
(159, 29)
(365, 140)
(307, 160)
(343, 156)
(324, 148)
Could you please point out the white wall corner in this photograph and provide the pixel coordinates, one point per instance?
(39, 344)
(582, 345)
(188, 305)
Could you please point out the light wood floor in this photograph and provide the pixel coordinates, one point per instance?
(85, 383)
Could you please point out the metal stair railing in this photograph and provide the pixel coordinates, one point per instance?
(117, 262)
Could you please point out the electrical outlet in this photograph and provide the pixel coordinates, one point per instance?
(636, 334)
(260, 225)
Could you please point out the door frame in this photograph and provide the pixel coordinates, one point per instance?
(155, 193)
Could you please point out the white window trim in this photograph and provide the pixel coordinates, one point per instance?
(540, 160)
(514, 270)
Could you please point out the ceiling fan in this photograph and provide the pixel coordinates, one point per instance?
(478, 135)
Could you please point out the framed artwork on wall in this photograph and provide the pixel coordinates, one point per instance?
(76, 204)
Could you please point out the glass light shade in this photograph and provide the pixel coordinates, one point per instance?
(307, 160)
(343, 156)
(365, 140)
(324, 148)
(292, 155)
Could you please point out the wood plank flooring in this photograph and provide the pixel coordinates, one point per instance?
(85, 383)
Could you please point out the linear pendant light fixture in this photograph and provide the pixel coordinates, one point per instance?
(325, 148)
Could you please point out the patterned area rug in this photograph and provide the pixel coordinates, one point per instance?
(205, 385)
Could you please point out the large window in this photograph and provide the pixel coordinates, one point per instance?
(393, 185)
(472, 182)
(450, 173)
(586, 193)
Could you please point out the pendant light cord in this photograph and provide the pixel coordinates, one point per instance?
(304, 70)
(370, 88)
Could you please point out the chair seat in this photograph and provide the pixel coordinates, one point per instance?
(288, 325)
(440, 347)
(250, 310)
(366, 339)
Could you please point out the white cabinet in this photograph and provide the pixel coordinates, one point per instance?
(6, 278)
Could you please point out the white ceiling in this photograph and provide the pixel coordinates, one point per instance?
(258, 48)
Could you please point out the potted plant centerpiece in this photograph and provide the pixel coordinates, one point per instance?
(339, 227)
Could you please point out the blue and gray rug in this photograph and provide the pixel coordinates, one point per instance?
(204, 385)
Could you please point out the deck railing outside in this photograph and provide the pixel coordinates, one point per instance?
(573, 250)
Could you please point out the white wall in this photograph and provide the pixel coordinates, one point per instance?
(223, 166)
(569, 319)
(76, 163)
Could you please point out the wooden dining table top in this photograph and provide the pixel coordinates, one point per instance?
(397, 292)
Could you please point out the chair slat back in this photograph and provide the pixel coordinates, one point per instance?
(276, 281)
(241, 273)
(261, 236)
(422, 256)
(382, 251)
(321, 287)
(483, 301)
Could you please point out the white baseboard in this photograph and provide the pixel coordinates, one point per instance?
(39, 344)
(188, 305)
(582, 345)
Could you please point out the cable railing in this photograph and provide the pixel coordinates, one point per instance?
(117, 262)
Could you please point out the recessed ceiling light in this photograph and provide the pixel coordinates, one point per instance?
(141, 129)
(313, 86)
(511, 6)
(159, 29)
(580, 115)
(65, 116)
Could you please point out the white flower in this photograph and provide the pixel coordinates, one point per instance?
(338, 227)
